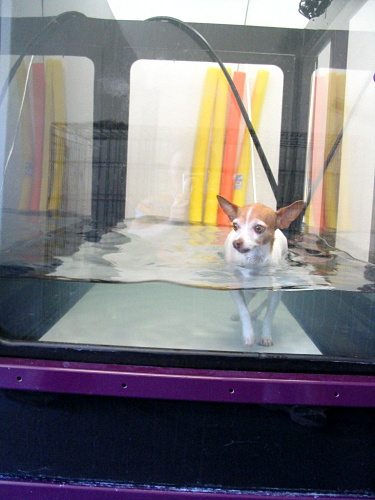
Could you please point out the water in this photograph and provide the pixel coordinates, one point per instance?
(150, 283)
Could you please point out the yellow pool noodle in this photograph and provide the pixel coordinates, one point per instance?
(309, 218)
(244, 165)
(201, 145)
(257, 98)
(336, 98)
(217, 149)
(59, 139)
(48, 119)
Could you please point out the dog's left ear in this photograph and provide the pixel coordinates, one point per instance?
(229, 208)
(287, 215)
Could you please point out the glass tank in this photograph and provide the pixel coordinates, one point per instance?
(123, 123)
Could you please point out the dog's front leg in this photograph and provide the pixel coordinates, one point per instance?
(272, 303)
(241, 302)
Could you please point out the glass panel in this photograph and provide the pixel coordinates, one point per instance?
(117, 138)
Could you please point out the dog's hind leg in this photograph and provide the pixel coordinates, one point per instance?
(240, 299)
(272, 303)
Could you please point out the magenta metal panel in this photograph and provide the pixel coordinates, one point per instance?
(28, 490)
(187, 384)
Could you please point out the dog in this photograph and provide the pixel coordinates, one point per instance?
(257, 240)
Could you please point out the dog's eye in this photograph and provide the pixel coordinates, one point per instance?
(259, 229)
(235, 226)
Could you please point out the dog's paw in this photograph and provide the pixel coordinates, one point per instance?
(265, 341)
(249, 341)
(248, 345)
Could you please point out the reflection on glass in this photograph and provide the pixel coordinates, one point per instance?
(111, 233)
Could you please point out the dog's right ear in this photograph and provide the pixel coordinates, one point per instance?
(229, 208)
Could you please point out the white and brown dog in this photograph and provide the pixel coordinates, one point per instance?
(256, 240)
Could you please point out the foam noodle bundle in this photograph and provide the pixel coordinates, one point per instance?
(201, 146)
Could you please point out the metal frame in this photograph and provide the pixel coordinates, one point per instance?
(175, 384)
(131, 381)
(187, 384)
(32, 490)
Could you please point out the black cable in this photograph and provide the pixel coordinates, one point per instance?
(323, 4)
(201, 40)
(56, 22)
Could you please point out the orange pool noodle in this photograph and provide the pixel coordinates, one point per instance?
(231, 144)
(244, 165)
(216, 150)
(314, 216)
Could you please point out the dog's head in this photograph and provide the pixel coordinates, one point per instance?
(255, 224)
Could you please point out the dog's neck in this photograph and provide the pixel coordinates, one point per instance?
(260, 255)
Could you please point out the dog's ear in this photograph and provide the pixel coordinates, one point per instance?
(229, 208)
(287, 215)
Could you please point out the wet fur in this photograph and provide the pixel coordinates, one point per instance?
(256, 240)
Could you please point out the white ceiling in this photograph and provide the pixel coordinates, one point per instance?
(278, 13)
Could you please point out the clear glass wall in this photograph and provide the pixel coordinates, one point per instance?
(118, 133)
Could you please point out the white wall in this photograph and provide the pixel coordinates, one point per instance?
(358, 165)
(91, 8)
(165, 101)
(249, 12)
(358, 143)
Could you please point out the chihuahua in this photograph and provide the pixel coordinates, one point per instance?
(256, 240)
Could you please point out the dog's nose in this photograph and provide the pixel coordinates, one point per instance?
(238, 244)
(241, 246)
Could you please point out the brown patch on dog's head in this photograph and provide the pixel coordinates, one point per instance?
(255, 224)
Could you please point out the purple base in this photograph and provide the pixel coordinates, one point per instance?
(175, 384)
(16, 490)
(187, 384)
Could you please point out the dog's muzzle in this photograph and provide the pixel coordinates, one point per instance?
(240, 246)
